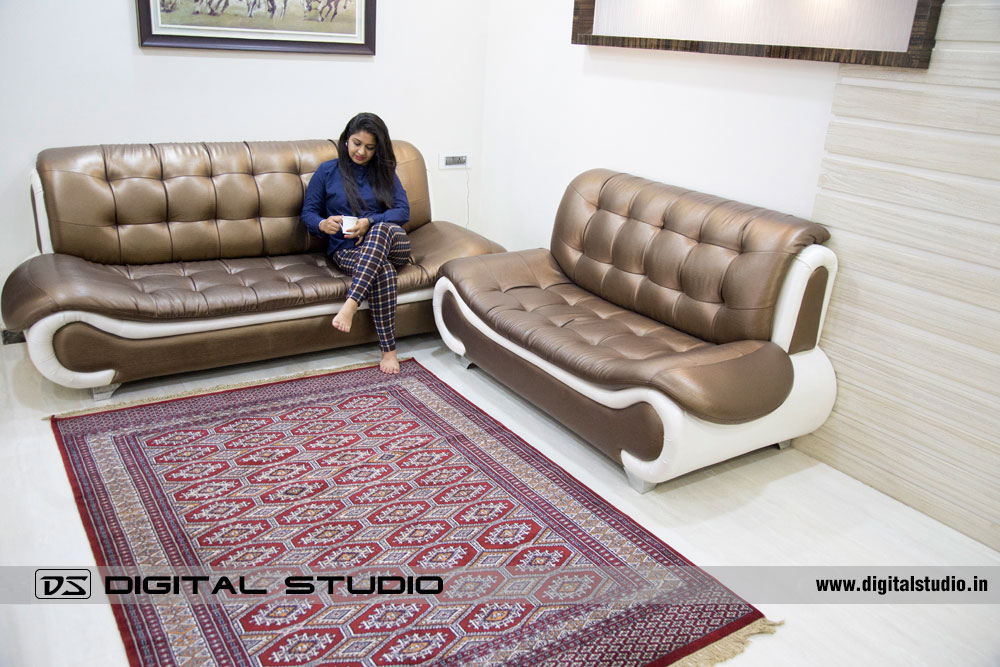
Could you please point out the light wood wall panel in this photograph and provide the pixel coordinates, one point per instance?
(970, 21)
(968, 449)
(927, 190)
(953, 152)
(955, 64)
(968, 110)
(934, 354)
(940, 399)
(948, 235)
(909, 306)
(967, 282)
(910, 189)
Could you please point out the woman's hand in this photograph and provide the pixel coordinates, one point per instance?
(331, 225)
(359, 230)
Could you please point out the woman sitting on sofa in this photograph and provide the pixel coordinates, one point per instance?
(362, 184)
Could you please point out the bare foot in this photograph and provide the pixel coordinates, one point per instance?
(389, 363)
(342, 322)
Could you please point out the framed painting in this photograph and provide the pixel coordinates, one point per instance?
(893, 33)
(300, 26)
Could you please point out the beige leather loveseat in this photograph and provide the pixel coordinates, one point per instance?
(163, 258)
(669, 328)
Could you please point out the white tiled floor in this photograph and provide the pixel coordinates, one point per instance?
(767, 508)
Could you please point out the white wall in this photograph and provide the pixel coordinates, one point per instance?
(73, 74)
(532, 109)
(747, 128)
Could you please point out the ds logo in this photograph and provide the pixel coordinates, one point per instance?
(62, 584)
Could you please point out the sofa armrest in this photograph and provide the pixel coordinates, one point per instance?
(44, 284)
(503, 272)
(803, 300)
(435, 243)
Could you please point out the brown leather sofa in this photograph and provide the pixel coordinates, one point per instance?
(157, 259)
(671, 329)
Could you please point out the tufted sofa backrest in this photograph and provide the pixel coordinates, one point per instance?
(153, 203)
(707, 266)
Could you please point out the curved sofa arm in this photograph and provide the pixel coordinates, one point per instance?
(41, 348)
(803, 300)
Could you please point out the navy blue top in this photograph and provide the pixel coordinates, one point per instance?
(325, 196)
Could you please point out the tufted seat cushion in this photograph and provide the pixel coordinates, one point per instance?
(525, 297)
(210, 288)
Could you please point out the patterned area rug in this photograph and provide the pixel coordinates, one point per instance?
(358, 483)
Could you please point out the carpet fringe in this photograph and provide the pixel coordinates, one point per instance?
(730, 646)
(211, 390)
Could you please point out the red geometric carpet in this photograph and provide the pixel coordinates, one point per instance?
(489, 552)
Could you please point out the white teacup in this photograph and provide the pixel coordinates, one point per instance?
(348, 223)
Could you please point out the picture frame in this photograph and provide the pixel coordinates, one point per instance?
(918, 54)
(294, 26)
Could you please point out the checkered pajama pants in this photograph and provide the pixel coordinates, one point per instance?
(372, 265)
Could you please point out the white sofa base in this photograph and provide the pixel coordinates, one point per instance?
(41, 336)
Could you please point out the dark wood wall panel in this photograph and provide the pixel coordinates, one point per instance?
(918, 56)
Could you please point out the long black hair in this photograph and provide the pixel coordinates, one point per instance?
(381, 168)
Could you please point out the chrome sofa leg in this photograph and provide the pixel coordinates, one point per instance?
(784, 444)
(104, 393)
(640, 485)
